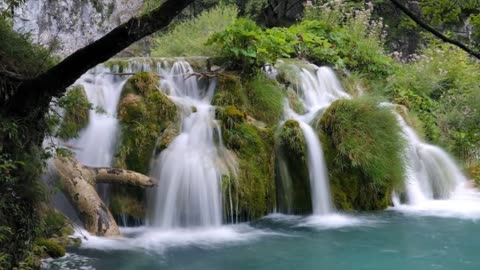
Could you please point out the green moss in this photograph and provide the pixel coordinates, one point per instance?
(294, 101)
(126, 204)
(363, 148)
(76, 114)
(253, 188)
(144, 113)
(53, 249)
(292, 177)
(265, 99)
(230, 91)
(261, 98)
(142, 84)
(119, 64)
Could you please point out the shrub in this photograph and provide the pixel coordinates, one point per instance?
(441, 87)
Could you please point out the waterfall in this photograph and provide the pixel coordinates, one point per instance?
(318, 88)
(190, 171)
(95, 145)
(431, 172)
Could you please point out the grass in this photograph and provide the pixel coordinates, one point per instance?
(364, 152)
(188, 38)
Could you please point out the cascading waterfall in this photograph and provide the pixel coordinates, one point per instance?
(96, 144)
(190, 169)
(317, 90)
(434, 184)
(431, 173)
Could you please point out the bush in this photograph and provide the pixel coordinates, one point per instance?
(441, 87)
(364, 153)
(188, 38)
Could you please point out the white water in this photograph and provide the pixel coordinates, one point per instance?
(434, 183)
(317, 90)
(190, 169)
(95, 145)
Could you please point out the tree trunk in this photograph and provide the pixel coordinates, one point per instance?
(78, 183)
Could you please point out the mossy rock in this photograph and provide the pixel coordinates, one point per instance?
(230, 116)
(53, 249)
(294, 101)
(144, 113)
(260, 97)
(170, 133)
(126, 205)
(76, 115)
(265, 99)
(253, 189)
(292, 176)
(230, 91)
(142, 84)
(363, 147)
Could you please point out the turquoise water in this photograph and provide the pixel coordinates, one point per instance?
(385, 240)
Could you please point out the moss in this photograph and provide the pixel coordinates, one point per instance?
(294, 101)
(127, 204)
(292, 177)
(363, 148)
(144, 113)
(167, 137)
(230, 91)
(253, 188)
(53, 249)
(261, 98)
(76, 114)
(116, 65)
(142, 84)
(265, 99)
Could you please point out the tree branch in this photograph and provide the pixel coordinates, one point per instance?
(433, 31)
(55, 80)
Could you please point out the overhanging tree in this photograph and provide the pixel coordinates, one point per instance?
(24, 103)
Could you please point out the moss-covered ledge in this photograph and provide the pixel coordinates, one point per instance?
(363, 148)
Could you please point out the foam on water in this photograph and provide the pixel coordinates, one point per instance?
(335, 221)
(160, 240)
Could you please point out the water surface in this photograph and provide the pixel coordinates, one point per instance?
(384, 240)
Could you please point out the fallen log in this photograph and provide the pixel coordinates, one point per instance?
(78, 183)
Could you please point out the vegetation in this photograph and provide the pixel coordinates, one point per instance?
(364, 153)
(53, 249)
(144, 113)
(76, 115)
(441, 88)
(188, 38)
(252, 188)
(292, 177)
(438, 86)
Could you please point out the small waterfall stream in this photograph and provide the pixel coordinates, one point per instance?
(96, 144)
(434, 184)
(317, 90)
(189, 193)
